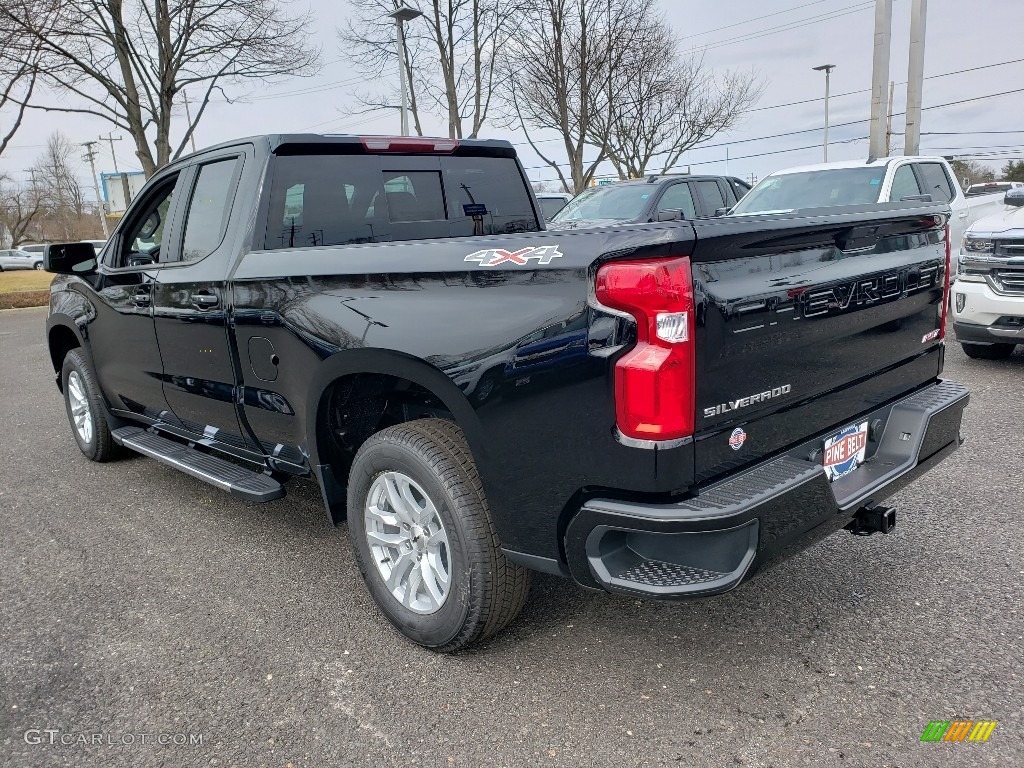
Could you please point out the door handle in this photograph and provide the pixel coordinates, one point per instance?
(963, 214)
(204, 300)
(142, 298)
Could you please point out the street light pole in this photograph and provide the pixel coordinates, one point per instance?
(827, 69)
(401, 15)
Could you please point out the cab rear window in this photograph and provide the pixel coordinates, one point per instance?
(350, 199)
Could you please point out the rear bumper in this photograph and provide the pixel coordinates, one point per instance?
(711, 543)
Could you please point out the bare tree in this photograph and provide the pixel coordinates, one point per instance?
(560, 76)
(56, 177)
(608, 78)
(971, 171)
(660, 105)
(456, 46)
(20, 208)
(19, 72)
(130, 61)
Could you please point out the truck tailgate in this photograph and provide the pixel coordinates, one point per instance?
(816, 321)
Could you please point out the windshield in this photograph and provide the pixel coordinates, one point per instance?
(814, 189)
(614, 201)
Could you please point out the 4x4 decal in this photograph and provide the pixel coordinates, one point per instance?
(495, 256)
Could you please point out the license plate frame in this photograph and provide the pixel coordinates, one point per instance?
(844, 451)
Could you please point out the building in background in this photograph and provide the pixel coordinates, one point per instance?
(119, 189)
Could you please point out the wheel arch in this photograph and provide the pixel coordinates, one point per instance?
(63, 335)
(383, 387)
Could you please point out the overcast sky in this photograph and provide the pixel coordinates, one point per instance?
(782, 40)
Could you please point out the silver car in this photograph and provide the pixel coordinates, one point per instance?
(18, 259)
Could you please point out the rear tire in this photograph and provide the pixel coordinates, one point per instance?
(462, 591)
(988, 351)
(84, 405)
(37, 265)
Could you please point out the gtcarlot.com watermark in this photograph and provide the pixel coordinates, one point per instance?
(56, 737)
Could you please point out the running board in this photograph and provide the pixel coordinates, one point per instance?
(236, 480)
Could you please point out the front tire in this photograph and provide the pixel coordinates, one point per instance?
(84, 406)
(988, 351)
(423, 537)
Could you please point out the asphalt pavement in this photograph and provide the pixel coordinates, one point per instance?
(139, 606)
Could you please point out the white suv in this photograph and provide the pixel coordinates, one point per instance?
(988, 296)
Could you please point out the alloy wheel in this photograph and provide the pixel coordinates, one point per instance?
(80, 412)
(408, 542)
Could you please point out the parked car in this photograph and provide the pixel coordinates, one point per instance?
(19, 259)
(993, 187)
(97, 244)
(988, 301)
(855, 182)
(704, 397)
(552, 202)
(668, 197)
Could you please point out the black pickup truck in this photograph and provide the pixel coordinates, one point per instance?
(654, 409)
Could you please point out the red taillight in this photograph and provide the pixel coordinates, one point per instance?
(945, 287)
(654, 382)
(409, 144)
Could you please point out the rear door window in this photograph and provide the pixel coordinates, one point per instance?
(712, 194)
(549, 206)
(904, 184)
(678, 197)
(208, 209)
(935, 182)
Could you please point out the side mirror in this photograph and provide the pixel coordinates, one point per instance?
(673, 215)
(1014, 197)
(721, 211)
(916, 199)
(70, 258)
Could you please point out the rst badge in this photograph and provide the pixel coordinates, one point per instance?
(845, 451)
(494, 257)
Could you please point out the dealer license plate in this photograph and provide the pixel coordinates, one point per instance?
(845, 450)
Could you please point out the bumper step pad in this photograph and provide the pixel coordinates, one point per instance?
(656, 573)
(236, 480)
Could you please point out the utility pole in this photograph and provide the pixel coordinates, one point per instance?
(188, 115)
(915, 77)
(888, 121)
(110, 139)
(880, 76)
(90, 157)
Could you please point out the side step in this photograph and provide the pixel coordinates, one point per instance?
(236, 480)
